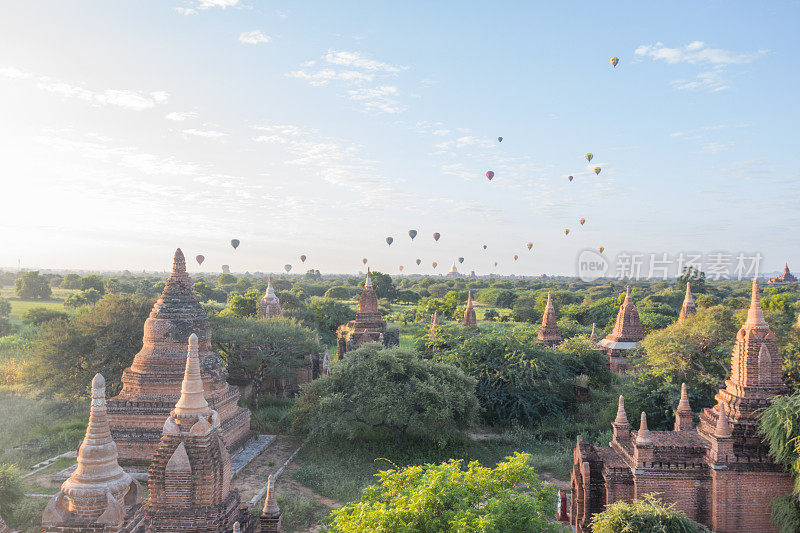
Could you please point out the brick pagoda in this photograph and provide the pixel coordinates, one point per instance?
(269, 305)
(626, 335)
(434, 324)
(99, 496)
(593, 336)
(719, 473)
(470, 319)
(152, 384)
(785, 276)
(368, 326)
(271, 515)
(549, 333)
(189, 478)
(688, 308)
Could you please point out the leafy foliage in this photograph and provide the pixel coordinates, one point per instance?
(780, 426)
(446, 497)
(645, 515)
(32, 285)
(387, 392)
(83, 298)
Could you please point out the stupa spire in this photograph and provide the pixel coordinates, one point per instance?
(593, 336)
(549, 333)
(643, 435)
(178, 262)
(192, 401)
(368, 281)
(723, 428)
(755, 315)
(470, 319)
(622, 418)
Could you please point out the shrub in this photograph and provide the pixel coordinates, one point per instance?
(645, 515)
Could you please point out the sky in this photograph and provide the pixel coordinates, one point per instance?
(128, 129)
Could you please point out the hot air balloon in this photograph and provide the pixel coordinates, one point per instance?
(364, 260)
(418, 261)
(412, 233)
(400, 268)
(529, 245)
(495, 264)
(597, 170)
(461, 260)
(389, 240)
(235, 243)
(570, 178)
(566, 231)
(303, 258)
(614, 61)
(200, 259)
(434, 264)
(516, 257)
(484, 246)
(287, 268)
(589, 157)
(582, 221)
(600, 249)
(499, 139)
(490, 175)
(436, 236)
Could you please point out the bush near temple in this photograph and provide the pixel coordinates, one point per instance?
(32, 285)
(645, 515)
(389, 392)
(446, 497)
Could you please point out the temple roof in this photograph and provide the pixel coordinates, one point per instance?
(628, 327)
(192, 401)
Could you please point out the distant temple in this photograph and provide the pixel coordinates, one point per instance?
(270, 305)
(368, 326)
(626, 335)
(152, 384)
(593, 336)
(470, 319)
(688, 308)
(719, 473)
(549, 333)
(785, 277)
(434, 324)
(454, 273)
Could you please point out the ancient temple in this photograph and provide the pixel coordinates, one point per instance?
(688, 308)
(453, 272)
(719, 473)
(470, 319)
(368, 326)
(434, 324)
(271, 515)
(784, 277)
(99, 496)
(189, 478)
(593, 336)
(269, 305)
(152, 384)
(549, 333)
(626, 335)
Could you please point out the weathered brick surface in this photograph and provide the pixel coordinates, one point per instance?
(549, 333)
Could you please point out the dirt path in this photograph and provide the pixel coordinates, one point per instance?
(254, 476)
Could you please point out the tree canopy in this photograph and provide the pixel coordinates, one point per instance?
(644, 515)
(32, 285)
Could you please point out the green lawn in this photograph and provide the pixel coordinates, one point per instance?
(20, 306)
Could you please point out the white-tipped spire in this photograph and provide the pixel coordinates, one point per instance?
(270, 292)
(755, 315)
(192, 400)
(683, 404)
(643, 435)
(368, 281)
(622, 418)
(688, 297)
(271, 501)
(723, 428)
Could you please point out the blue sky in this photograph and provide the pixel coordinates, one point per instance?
(320, 128)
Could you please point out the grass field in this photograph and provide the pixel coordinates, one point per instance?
(19, 306)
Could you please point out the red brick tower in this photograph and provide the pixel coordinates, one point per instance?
(626, 335)
(470, 319)
(549, 333)
(688, 308)
(368, 326)
(99, 495)
(152, 384)
(189, 478)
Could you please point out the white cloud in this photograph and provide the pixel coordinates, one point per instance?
(716, 147)
(208, 134)
(206, 4)
(325, 76)
(696, 52)
(380, 99)
(711, 80)
(185, 10)
(253, 37)
(180, 116)
(356, 60)
(123, 98)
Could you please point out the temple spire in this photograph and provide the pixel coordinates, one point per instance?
(593, 336)
(723, 428)
(178, 262)
(270, 292)
(622, 418)
(470, 319)
(271, 501)
(368, 281)
(755, 315)
(643, 435)
(192, 401)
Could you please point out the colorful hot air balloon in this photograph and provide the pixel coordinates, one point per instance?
(418, 261)
(364, 260)
(582, 221)
(529, 245)
(303, 258)
(436, 236)
(499, 139)
(400, 268)
(287, 268)
(389, 240)
(589, 157)
(597, 170)
(570, 178)
(200, 259)
(495, 264)
(614, 61)
(516, 257)
(484, 246)
(434, 264)
(600, 249)
(412, 233)
(235, 243)
(566, 231)
(490, 175)
(461, 260)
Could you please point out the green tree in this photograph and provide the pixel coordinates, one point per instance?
(645, 515)
(67, 353)
(340, 293)
(226, 279)
(11, 490)
(71, 281)
(695, 276)
(37, 316)
(327, 315)
(382, 285)
(5, 308)
(33, 286)
(93, 281)
(207, 293)
(262, 349)
(390, 391)
(83, 298)
(448, 498)
(243, 305)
